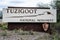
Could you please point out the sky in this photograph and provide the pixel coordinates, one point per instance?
(22, 3)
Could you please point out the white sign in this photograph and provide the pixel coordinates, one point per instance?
(30, 14)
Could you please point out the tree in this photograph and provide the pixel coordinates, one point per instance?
(58, 10)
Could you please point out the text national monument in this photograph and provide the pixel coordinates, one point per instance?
(29, 18)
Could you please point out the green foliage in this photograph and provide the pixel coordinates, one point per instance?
(58, 4)
(15, 30)
(31, 33)
(21, 32)
(55, 36)
(4, 26)
(58, 11)
(1, 25)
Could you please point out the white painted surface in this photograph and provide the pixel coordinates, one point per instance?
(16, 17)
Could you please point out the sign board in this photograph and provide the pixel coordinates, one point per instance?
(29, 14)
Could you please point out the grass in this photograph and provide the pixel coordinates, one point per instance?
(4, 33)
(55, 35)
(21, 32)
